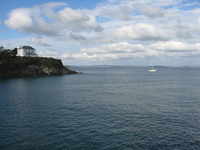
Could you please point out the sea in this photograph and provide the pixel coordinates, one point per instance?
(103, 108)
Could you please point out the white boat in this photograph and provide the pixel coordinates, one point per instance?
(151, 69)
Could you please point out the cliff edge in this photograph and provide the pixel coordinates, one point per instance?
(14, 66)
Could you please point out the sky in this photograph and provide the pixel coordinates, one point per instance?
(105, 32)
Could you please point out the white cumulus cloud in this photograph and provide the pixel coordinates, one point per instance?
(44, 20)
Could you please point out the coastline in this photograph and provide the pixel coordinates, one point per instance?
(15, 66)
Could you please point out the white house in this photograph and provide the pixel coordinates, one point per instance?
(26, 51)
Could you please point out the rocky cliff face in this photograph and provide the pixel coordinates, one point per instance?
(12, 66)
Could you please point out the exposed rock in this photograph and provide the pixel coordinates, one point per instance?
(32, 69)
(13, 66)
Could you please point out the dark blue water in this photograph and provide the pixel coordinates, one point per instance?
(103, 109)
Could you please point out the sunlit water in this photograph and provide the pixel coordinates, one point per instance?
(104, 108)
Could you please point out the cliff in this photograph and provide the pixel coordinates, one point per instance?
(13, 66)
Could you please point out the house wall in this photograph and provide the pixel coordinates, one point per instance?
(26, 52)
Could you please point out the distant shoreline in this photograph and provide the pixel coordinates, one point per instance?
(131, 66)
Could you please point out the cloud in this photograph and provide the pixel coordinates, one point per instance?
(170, 45)
(121, 12)
(38, 42)
(76, 20)
(150, 11)
(176, 49)
(155, 12)
(121, 47)
(141, 31)
(125, 50)
(122, 50)
(43, 20)
(76, 36)
(48, 53)
(20, 19)
(74, 24)
(158, 2)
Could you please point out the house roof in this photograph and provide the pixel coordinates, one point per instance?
(27, 47)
